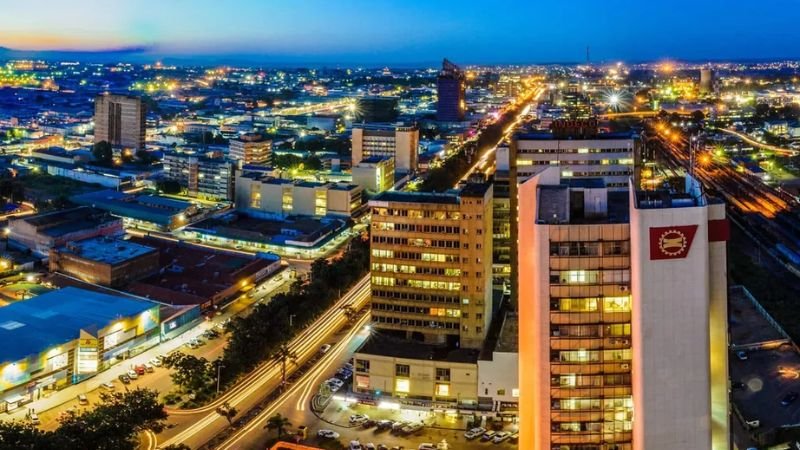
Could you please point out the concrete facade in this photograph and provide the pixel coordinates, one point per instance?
(120, 121)
(398, 142)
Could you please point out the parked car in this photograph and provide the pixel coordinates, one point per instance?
(385, 424)
(140, 369)
(125, 379)
(355, 445)
(149, 368)
(426, 446)
(474, 433)
(369, 446)
(34, 418)
(108, 386)
(155, 362)
(328, 434)
(368, 424)
(133, 375)
(325, 348)
(398, 426)
(82, 399)
(413, 428)
(501, 437)
(488, 436)
(357, 419)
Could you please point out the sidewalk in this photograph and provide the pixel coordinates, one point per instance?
(70, 393)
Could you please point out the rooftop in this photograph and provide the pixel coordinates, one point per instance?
(549, 136)
(383, 345)
(150, 208)
(57, 317)
(106, 249)
(59, 223)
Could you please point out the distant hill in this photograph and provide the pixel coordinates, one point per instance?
(113, 55)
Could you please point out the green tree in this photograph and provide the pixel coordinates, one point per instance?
(190, 373)
(284, 356)
(16, 435)
(103, 152)
(228, 412)
(279, 424)
(312, 162)
(169, 186)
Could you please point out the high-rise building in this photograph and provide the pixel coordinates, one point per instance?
(120, 121)
(376, 109)
(396, 141)
(623, 299)
(706, 81)
(205, 177)
(451, 89)
(432, 263)
(250, 148)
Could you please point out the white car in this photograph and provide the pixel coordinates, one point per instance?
(426, 446)
(155, 362)
(356, 419)
(334, 382)
(501, 437)
(325, 348)
(108, 385)
(34, 418)
(355, 445)
(133, 375)
(474, 433)
(328, 434)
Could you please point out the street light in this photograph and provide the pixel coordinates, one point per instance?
(219, 370)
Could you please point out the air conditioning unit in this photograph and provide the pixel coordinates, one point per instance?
(624, 341)
(625, 366)
(623, 288)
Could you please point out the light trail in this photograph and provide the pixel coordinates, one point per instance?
(751, 141)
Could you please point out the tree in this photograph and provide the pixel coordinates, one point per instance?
(24, 436)
(169, 186)
(145, 157)
(698, 116)
(228, 412)
(103, 152)
(190, 373)
(278, 423)
(312, 162)
(284, 356)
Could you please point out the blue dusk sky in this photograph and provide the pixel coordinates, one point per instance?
(409, 31)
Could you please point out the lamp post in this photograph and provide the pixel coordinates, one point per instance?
(219, 370)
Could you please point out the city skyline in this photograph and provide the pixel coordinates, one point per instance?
(383, 32)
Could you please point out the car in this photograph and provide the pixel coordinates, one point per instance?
(335, 382)
(738, 386)
(413, 428)
(368, 424)
(382, 447)
(355, 445)
(125, 379)
(397, 426)
(155, 362)
(34, 418)
(357, 419)
(501, 437)
(488, 436)
(108, 386)
(132, 374)
(140, 369)
(149, 368)
(369, 446)
(384, 424)
(328, 434)
(514, 437)
(82, 399)
(398, 447)
(742, 355)
(474, 433)
(426, 446)
(789, 398)
(325, 348)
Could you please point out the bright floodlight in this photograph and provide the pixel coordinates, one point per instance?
(613, 99)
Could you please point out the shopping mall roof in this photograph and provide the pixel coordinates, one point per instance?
(106, 249)
(56, 318)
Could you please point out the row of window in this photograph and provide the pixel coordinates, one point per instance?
(416, 323)
(583, 162)
(415, 228)
(440, 312)
(595, 404)
(414, 296)
(415, 256)
(615, 276)
(394, 268)
(593, 427)
(589, 356)
(570, 381)
(417, 284)
(580, 151)
(417, 214)
(417, 242)
(577, 248)
(593, 331)
(592, 304)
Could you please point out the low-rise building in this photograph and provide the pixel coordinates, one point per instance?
(375, 174)
(397, 141)
(42, 232)
(106, 261)
(261, 195)
(149, 212)
(65, 336)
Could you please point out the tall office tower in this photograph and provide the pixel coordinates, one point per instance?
(624, 299)
(376, 109)
(396, 141)
(706, 81)
(250, 148)
(451, 89)
(120, 121)
(578, 150)
(432, 265)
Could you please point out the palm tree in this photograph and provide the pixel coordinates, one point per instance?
(228, 412)
(278, 423)
(284, 355)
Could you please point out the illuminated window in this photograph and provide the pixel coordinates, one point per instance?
(617, 304)
(57, 362)
(362, 381)
(515, 393)
(255, 199)
(402, 386)
(578, 304)
(442, 390)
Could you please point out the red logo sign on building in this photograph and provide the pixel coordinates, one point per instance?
(671, 242)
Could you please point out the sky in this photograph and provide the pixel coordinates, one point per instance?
(386, 32)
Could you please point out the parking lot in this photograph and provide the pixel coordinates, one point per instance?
(768, 376)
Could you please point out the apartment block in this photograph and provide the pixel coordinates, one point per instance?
(250, 148)
(395, 141)
(120, 121)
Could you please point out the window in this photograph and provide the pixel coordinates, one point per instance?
(617, 304)
(442, 390)
(515, 393)
(362, 381)
(402, 386)
(362, 365)
(442, 374)
(501, 392)
(402, 370)
(577, 304)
